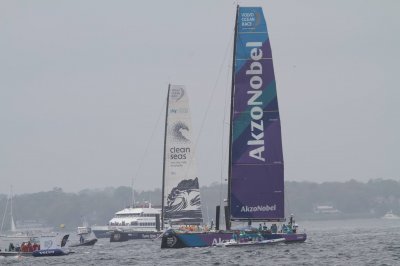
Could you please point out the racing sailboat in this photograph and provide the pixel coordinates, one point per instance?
(256, 172)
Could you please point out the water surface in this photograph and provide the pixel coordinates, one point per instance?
(340, 242)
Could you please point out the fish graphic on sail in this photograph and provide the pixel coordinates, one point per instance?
(181, 194)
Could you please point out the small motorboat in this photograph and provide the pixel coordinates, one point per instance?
(51, 248)
(83, 233)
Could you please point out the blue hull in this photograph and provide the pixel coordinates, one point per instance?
(172, 239)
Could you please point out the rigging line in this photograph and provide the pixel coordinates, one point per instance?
(286, 200)
(4, 215)
(148, 142)
(223, 132)
(9, 199)
(133, 195)
(208, 106)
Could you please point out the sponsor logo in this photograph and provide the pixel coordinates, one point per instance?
(171, 241)
(180, 132)
(249, 19)
(117, 237)
(176, 93)
(47, 252)
(178, 153)
(182, 110)
(256, 143)
(258, 208)
(216, 241)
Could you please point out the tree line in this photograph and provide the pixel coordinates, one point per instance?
(98, 206)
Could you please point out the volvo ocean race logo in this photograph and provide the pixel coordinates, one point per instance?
(256, 112)
(176, 93)
(258, 208)
(250, 19)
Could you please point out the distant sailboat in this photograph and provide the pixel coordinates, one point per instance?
(13, 236)
(256, 174)
(18, 235)
(181, 203)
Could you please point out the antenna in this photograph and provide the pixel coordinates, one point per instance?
(11, 204)
(133, 196)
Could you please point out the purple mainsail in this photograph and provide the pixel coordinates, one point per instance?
(256, 160)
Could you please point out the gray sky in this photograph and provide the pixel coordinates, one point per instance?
(83, 84)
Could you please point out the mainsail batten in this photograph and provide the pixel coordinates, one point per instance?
(256, 184)
(181, 194)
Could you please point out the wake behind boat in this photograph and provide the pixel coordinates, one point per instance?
(235, 243)
(15, 253)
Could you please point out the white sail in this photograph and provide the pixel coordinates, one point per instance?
(13, 227)
(181, 196)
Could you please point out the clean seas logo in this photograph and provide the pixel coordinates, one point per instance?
(179, 153)
(180, 135)
(258, 208)
(180, 132)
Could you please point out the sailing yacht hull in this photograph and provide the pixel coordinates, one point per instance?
(208, 239)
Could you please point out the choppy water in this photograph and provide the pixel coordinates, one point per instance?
(351, 242)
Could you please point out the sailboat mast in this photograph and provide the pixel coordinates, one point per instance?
(228, 212)
(165, 145)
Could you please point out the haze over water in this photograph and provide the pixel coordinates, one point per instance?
(82, 85)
